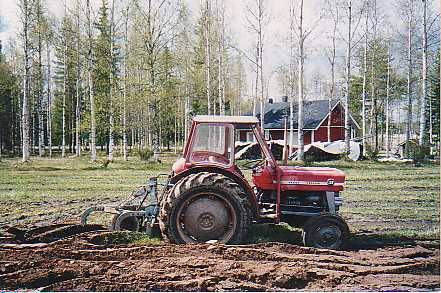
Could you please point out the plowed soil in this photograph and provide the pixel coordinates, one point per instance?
(78, 263)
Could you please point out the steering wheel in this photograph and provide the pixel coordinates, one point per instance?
(254, 163)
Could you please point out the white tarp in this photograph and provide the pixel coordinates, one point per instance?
(334, 147)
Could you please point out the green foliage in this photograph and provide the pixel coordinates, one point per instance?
(145, 154)
(371, 152)
(417, 152)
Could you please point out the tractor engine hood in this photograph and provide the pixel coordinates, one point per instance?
(312, 178)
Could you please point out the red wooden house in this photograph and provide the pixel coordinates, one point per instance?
(316, 115)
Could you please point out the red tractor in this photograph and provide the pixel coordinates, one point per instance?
(207, 198)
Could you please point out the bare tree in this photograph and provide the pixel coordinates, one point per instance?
(291, 78)
(40, 109)
(422, 133)
(90, 85)
(25, 15)
(220, 12)
(126, 53)
(302, 34)
(208, 55)
(410, 24)
(348, 76)
(49, 98)
(63, 123)
(111, 81)
(334, 12)
(77, 85)
(387, 144)
(364, 94)
(257, 18)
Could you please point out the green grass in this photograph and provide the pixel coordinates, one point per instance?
(380, 198)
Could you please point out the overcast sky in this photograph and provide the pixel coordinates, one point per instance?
(275, 46)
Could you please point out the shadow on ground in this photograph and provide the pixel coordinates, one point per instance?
(286, 234)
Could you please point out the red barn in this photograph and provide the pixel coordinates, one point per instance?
(316, 115)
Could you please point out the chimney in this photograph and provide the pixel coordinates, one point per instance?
(285, 99)
(270, 101)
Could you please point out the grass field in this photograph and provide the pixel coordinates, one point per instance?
(390, 199)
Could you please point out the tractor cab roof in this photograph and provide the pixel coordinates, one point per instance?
(225, 119)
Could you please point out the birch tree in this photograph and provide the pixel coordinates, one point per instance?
(77, 84)
(334, 13)
(26, 21)
(422, 128)
(90, 84)
(257, 19)
(63, 139)
(111, 80)
(302, 34)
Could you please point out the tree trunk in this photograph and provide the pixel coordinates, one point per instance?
(63, 127)
(124, 114)
(262, 100)
(348, 79)
(387, 102)
(409, 80)
(25, 108)
(77, 89)
(90, 84)
(40, 85)
(364, 97)
(301, 63)
(49, 100)
(422, 135)
(111, 78)
(208, 55)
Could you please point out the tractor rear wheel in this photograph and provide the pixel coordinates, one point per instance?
(203, 207)
(327, 231)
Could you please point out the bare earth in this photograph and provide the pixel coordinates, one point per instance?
(54, 262)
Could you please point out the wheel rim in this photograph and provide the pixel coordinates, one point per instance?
(327, 236)
(129, 224)
(204, 217)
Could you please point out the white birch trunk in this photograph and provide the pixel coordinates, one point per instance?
(90, 84)
(387, 102)
(25, 118)
(77, 88)
(208, 55)
(111, 78)
(40, 85)
(260, 32)
(63, 139)
(49, 100)
(422, 135)
(124, 114)
(409, 78)
(348, 78)
(301, 64)
(364, 97)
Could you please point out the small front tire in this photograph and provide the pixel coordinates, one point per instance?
(327, 231)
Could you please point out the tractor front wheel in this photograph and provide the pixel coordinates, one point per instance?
(326, 231)
(205, 207)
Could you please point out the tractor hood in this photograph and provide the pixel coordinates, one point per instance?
(308, 178)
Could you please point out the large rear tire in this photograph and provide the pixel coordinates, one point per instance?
(328, 231)
(205, 207)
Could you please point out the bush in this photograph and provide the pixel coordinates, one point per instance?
(145, 154)
(419, 153)
(371, 153)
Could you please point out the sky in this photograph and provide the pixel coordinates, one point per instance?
(276, 47)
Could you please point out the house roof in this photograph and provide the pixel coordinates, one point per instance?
(314, 114)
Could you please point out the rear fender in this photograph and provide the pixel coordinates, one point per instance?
(235, 177)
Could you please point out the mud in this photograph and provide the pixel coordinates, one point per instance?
(62, 262)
